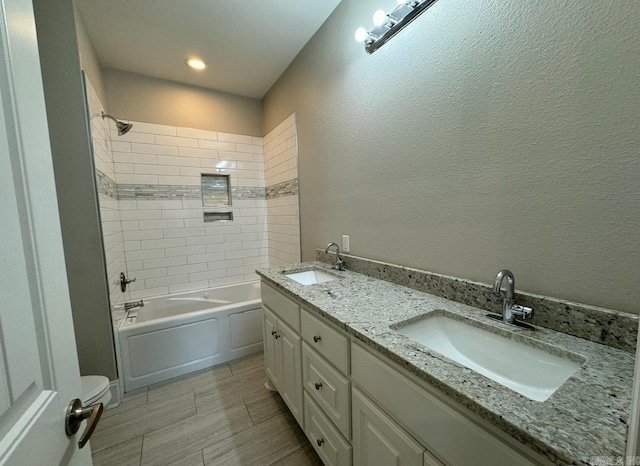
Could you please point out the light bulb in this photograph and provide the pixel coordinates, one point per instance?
(379, 18)
(195, 63)
(361, 34)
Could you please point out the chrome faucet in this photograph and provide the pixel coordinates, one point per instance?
(133, 304)
(509, 309)
(339, 262)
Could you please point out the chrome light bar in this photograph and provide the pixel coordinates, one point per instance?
(388, 25)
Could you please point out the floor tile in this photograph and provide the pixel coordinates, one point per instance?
(190, 459)
(261, 444)
(180, 439)
(230, 389)
(264, 404)
(135, 422)
(305, 456)
(124, 454)
(247, 363)
(129, 402)
(187, 383)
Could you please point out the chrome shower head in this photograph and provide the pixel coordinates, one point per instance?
(123, 128)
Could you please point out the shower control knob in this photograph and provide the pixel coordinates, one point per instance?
(317, 338)
(276, 336)
(273, 332)
(320, 441)
(318, 386)
(124, 281)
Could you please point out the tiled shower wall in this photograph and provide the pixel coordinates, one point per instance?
(281, 176)
(152, 213)
(107, 195)
(168, 246)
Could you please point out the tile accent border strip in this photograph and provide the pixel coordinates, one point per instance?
(286, 188)
(605, 326)
(114, 190)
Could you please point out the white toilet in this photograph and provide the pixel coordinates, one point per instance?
(95, 389)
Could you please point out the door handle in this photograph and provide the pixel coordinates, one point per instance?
(76, 413)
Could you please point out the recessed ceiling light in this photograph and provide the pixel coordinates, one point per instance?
(195, 63)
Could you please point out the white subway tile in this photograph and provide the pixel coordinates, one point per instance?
(194, 222)
(176, 141)
(132, 136)
(226, 281)
(192, 203)
(242, 253)
(140, 214)
(132, 245)
(224, 264)
(183, 232)
(179, 161)
(159, 204)
(162, 243)
(223, 247)
(207, 275)
(192, 172)
(156, 149)
(156, 170)
(142, 234)
(203, 240)
(182, 269)
(124, 178)
(179, 180)
(197, 133)
(227, 137)
(160, 224)
(185, 251)
(123, 168)
(165, 281)
(206, 144)
(146, 254)
(126, 205)
(200, 258)
(249, 148)
(151, 273)
(164, 262)
(185, 214)
(152, 128)
(211, 154)
(117, 146)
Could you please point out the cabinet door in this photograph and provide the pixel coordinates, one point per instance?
(270, 354)
(378, 440)
(289, 349)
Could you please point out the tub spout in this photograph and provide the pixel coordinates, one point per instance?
(133, 304)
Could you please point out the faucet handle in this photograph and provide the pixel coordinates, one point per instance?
(522, 311)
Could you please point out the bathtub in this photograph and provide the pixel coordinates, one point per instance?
(181, 333)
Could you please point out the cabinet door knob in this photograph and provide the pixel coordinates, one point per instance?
(320, 441)
(318, 386)
(317, 338)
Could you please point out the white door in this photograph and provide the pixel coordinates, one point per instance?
(38, 362)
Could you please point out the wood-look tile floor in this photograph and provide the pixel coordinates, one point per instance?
(219, 416)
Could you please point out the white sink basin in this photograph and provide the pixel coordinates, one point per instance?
(532, 372)
(311, 277)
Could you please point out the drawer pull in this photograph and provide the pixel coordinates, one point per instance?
(317, 339)
(318, 386)
(320, 441)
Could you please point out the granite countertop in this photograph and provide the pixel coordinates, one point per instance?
(583, 421)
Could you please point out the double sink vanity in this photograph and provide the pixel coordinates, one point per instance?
(376, 373)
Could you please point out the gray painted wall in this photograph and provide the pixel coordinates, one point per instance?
(142, 98)
(88, 58)
(77, 198)
(486, 135)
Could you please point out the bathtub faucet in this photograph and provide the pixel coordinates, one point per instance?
(133, 304)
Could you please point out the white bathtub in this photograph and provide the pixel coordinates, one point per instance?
(177, 334)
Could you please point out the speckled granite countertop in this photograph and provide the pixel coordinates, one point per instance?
(584, 419)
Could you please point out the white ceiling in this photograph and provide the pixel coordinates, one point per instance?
(246, 44)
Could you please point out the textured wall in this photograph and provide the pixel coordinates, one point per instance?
(77, 197)
(142, 98)
(485, 135)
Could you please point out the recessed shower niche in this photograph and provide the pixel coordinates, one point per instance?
(216, 193)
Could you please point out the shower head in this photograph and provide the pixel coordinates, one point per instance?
(123, 128)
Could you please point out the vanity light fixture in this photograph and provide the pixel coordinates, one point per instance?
(195, 63)
(388, 25)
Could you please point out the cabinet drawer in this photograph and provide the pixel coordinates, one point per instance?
(331, 447)
(328, 387)
(437, 424)
(327, 341)
(285, 308)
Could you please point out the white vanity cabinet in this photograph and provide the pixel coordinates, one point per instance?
(283, 349)
(356, 406)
